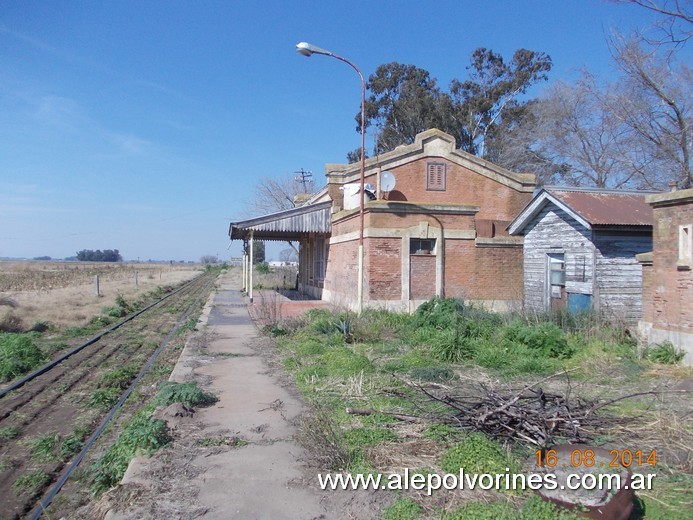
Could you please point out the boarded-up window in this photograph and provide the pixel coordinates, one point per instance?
(435, 176)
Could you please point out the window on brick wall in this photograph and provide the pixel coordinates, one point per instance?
(435, 176)
(422, 246)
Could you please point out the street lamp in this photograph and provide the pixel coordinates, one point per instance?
(307, 50)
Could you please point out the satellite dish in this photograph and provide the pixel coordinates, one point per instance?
(387, 181)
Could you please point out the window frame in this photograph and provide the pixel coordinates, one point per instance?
(420, 244)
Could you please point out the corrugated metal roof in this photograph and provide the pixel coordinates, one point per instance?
(290, 224)
(607, 208)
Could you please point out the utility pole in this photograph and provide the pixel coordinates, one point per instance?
(305, 178)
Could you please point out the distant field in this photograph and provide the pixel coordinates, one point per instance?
(62, 293)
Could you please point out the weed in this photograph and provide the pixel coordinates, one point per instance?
(483, 511)
(433, 373)
(234, 442)
(537, 509)
(320, 434)
(41, 327)
(402, 509)
(534, 509)
(438, 313)
(142, 435)
(104, 398)
(262, 268)
(43, 448)
(33, 482)
(111, 386)
(361, 437)
(121, 308)
(443, 433)
(187, 393)
(344, 362)
(670, 498)
(72, 444)
(9, 432)
(18, 355)
(478, 454)
(545, 339)
(10, 322)
(188, 326)
(664, 353)
(119, 378)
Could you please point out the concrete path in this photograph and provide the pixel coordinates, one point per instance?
(236, 459)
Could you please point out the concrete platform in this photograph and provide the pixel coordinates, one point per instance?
(237, 458)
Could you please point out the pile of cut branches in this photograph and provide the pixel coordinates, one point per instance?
(528, 415)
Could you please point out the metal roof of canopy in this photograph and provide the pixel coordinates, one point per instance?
(290, 224)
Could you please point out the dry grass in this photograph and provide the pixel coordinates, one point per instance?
(62, 293)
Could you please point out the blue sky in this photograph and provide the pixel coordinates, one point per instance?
(144, 125)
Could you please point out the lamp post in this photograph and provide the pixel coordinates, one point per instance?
(306, 49)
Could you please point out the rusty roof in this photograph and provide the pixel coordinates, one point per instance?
(607, 207)
(290, 224)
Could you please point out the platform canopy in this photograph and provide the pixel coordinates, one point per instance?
(290, 224)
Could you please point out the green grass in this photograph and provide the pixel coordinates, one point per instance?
(43, 448)
(32, 483)
(9, 432)
(19, 354)
(51, 447)
(188, 394)
(664, 354)
(402, 509)
(141, 435)
(340, 360)
(670, 499)
(478, 454)
(110, 387)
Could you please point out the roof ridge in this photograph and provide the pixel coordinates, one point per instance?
(607, 191)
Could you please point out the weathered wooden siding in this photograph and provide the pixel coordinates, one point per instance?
(554, 231)
(619, 274)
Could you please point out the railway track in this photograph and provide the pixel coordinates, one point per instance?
(50, 418)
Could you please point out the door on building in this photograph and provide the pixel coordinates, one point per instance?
(556, 296)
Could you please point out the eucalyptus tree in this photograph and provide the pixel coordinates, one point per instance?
(405, 100)
(491, 94)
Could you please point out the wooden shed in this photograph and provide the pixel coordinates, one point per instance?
(579, 250)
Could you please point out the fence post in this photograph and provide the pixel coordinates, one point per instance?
(96, 285)
(136, 278)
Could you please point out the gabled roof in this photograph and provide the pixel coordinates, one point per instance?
(590, 207)
(431, 143)
(290, 224)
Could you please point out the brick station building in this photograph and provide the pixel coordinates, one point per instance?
(440, 231)
(668, 273)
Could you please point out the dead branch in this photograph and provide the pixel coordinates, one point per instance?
(370, 411)
(528, 415)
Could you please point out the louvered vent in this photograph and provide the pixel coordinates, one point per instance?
(435, 176)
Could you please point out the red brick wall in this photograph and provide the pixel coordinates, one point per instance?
(496, 200)
(671, 302)
(383, 271)
(341, 277)
(483, 273)
(471, 272)
(422, 277)
(647, 296)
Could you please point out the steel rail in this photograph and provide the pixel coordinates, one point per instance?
(48, 498)
(48, 366)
